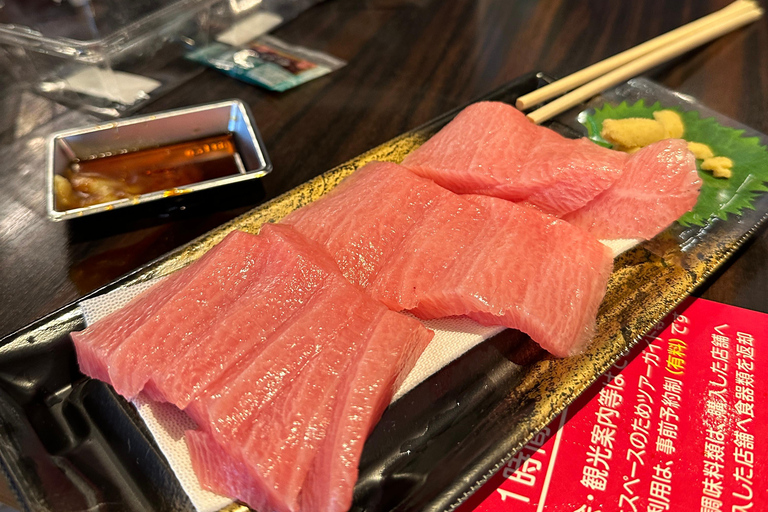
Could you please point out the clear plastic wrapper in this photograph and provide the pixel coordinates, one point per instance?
(110, 57)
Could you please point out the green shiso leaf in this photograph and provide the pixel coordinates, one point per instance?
(718, 196)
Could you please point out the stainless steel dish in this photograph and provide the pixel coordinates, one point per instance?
(155, 130)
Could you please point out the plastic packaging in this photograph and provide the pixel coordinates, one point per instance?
(111, 57)
(108, 57)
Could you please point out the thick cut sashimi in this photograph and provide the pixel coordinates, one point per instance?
(486, 258)
(272, 415)
(442, 240)
(364, 396)
(389, 354)
(491, 148)
(219, 472)
(552, 286)
(311, 406)
(187, 316)
(362, 231)
(660, 183)
(96, 345)
(228, 412)
(516, 267)
(274, 346)
(276, 419)
(481, 149)
(576, 171)
(284, 287)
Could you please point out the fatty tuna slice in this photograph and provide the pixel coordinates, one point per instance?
(482, 148)
(443, 239)
(390, 351)
(362, 230)
(551, 286)
(96, 345)
(505, 264)
(575, 170)
(285, 285)
(484, 259)
(363, 397)
(187, 317)
(491, 148)
(262, 421)
(275, 419)
(660, 183)
(218, 471)
(273, 415)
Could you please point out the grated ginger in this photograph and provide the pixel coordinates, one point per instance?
(672, 123)
(719, 165)
(700, 151)
(633, 132)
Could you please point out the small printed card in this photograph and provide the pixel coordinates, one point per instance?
(268, 62)
(676, 425)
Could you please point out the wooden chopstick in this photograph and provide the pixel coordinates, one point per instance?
(591, 72)
(703, 35)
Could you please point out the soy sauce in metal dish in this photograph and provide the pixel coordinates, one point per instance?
(128, 174)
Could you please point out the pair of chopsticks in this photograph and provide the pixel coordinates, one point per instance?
(630, 63)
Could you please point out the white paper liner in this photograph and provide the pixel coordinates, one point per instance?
(453, 337)
(167, 425)
(164, 421)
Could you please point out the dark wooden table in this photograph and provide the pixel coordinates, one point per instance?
(408, 61)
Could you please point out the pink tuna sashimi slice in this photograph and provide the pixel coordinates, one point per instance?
(219, 472)
(390, 351)
(286, 284)
(362, 399)
(443, 239)
(580, 170)
(552, 285)
(276, 419)
(188, 316)
(362, 230)
(388, 356)
(96, 345)
(660, 183)
(374, 214)
(505, 264)
(274, 413)
(491, 148)
(426, 270)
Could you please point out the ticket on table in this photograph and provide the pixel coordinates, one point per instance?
(675, 425)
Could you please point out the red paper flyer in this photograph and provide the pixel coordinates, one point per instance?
(679, 424)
